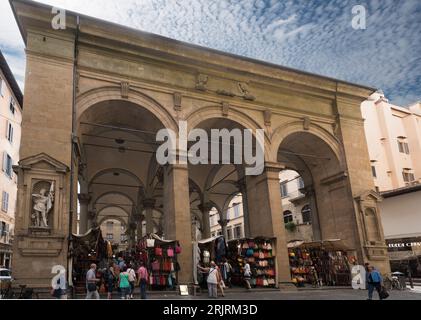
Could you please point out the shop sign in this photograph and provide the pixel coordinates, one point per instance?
(404, 245)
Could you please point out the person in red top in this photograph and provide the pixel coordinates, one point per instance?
(143, 278)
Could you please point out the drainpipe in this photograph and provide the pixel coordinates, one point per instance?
(71, 211)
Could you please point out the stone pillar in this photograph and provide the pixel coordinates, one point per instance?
(364, 231)
(148, 205)
(177, 225)
(266, 216)
(84, 200)
(315, 223)
(243, 189)
(206, 229)
(45, 150)
(223, 223)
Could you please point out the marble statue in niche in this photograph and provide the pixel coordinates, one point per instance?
(42, 204)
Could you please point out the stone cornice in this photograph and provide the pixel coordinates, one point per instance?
(30, 14)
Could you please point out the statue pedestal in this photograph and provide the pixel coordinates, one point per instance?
(40, 231)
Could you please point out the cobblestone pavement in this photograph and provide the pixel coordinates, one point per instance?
(325, 294)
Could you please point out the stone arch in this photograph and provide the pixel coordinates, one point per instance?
(285, 130)
(112, 206)
(97, 95)
(112, 193)
(119, 170)
(120, 219)
(214, 112)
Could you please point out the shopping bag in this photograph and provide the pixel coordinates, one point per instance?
(150, 243)
(383, 293)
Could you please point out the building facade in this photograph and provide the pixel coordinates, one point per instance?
(10, 126)
(114, 231)
(235, 220)
(393, 135)
(119, 87)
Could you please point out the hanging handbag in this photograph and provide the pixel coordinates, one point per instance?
(177, 249)
(249, 252)
(150, 243)
(158, 251)
(265, 283)
(269, 247)
(170, 252)
(245, 245)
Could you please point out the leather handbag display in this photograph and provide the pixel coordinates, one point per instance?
(170, 252)
(150, 243)
(158, 251)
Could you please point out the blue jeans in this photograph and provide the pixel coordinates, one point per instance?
(125, 291)
(143, 289)
(371, 287)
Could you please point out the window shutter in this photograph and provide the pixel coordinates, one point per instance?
(4, 161)
(3, 198)
(7, 129)
(11, 133)
(1, 87)
(7, 202)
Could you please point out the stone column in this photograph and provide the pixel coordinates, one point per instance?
(205, 208)
(243, 189)
(223, 223)
(84, 200)
(266, 216)
(177, 225)
(148, 205)
(315, 223)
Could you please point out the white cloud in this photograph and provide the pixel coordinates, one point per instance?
(313, 36)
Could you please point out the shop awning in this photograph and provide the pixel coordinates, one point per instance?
(328, 244)
(156, 237)
(203, 241)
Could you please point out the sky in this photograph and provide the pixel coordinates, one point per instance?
(316, 36)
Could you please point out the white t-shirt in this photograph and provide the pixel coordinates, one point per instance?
(212, 276)
(132, 275)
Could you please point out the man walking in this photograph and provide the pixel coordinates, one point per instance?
(374, 282)
(91, 281)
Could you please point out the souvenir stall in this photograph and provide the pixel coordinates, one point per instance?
(260, 254)
(319, 263)
(160, 258)
(205, 251)
(84, 250)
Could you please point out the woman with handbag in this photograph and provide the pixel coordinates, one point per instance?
(212, 279)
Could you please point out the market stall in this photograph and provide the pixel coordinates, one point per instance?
(320, 263)
(84, 250)
(260, 254)
(160, 258)
(205, 251)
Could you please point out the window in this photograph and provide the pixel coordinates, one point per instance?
(7, 164)
(284, 189)
(12, 105)
(2, 87)
(408, 176)
(3, 229)
(110, 226)
(403, 147)
(237, 231)
(229, 233)
(5, 201)
(373, 171)
(110, 236)
(306, 213)
(287, 216)
(300, 183)
(9, 132)
(236, 210)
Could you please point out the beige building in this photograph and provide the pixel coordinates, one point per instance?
(235, 220)
(115, 232)
(110, 90)
(10, 126)
(393, 135)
